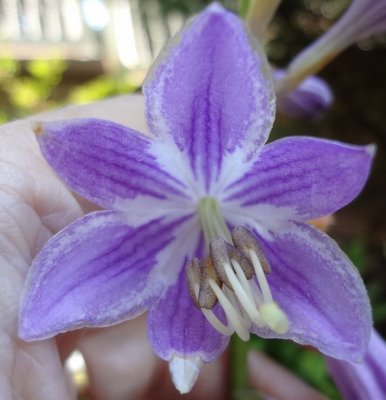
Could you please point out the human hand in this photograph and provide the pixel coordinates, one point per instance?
(34, 206)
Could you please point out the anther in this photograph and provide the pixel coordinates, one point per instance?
(218, 250)
(245, 241)
(198, 274)
(222, 254)
(193, 279)
(206, 297)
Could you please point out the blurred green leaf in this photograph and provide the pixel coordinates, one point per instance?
(47, 71)
(101, 88)
(9, 68)
(357, 252)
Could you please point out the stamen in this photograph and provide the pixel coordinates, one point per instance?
(218, 250)
(237, 306)
(265, 290)
(198, 272)
(235, 303)
(216, 323)
(241, 276)
(206, 297)
(252, 291)
(228, 276)
(274, 317)
(245, 300)
(193, 278)
(245, 240)
(256, 292)
(230, 312)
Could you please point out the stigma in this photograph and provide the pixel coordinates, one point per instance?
(234, 275)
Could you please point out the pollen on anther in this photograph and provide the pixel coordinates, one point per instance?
(245, 241)
(193, 278)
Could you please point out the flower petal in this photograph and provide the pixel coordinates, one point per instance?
(97, 272)
(178, 331)
(212, 92)
(320, 290)
(309, 100)
(105, 162)
(365, 380)
(310, 177)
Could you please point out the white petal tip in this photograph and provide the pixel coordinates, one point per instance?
(371, 149)
(215, 8)
(184, 372)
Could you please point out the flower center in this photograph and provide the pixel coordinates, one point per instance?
(233, 275)
(212, 220)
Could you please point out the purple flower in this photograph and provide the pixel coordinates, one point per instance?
(309, 100)
(362, 19)
(365, 380)
(166, 242)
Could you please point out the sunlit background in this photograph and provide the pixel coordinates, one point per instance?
(56, 52)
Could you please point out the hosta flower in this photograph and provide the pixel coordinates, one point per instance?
(204, 225)
(362, 19)
(310, 99)
(365, 380)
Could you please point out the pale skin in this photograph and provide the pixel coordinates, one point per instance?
(34, 206)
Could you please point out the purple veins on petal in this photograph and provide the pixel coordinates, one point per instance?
(96, 272)
(177, 327)
(105, 162)
(210, 107)
(313, 177)
(180, 334)
(320, 291)
(193, 92)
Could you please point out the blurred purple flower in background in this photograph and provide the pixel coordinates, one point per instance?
(365, 380)
(362, 19)
(174, 199)
(309, 100)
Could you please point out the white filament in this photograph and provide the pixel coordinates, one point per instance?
(212, 318)
(232, 315)
(260, 275)
(243, 298)
(242, 278)
(216, 323)
(246, 303)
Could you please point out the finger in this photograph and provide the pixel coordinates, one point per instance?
(122, 365)
(119, 360)
(270, 378)
(127, 110)
(34, 204)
